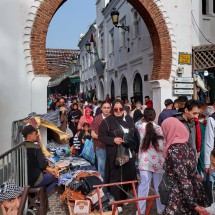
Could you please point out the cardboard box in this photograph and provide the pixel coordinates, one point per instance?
(82, 207)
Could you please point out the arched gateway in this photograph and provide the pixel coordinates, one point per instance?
(150, 11)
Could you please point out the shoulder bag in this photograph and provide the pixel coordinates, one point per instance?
(164, 189)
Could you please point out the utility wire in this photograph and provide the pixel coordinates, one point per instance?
(200, 29)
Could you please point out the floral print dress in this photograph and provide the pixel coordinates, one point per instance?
(187, 192)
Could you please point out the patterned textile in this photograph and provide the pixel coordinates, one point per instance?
(187, 192)
(95, 127)
(9, 190)
(150, 160)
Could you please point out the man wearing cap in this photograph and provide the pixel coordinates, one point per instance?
(37, 162)
(167, 112)
(9, 198)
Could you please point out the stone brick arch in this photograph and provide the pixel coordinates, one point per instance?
(151, 11)
(154, 19)
(45, 11)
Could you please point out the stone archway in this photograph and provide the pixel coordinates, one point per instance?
(149, 10)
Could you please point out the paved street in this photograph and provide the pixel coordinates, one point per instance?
(59, 208)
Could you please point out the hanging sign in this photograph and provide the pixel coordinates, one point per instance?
(183, 85)
(184, 58)
(183, 92)
(183, 79)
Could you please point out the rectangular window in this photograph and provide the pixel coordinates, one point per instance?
(204, 7)
(146, 78)
(111, 41)
(102, 45)
(213, 6)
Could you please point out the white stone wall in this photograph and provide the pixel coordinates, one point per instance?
(18, 88)
(21, 92)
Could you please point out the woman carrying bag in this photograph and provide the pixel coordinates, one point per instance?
(112, 132)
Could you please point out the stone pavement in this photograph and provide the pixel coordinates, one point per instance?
(59, 208)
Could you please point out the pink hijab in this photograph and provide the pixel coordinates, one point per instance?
(174, 132)
(88, 117)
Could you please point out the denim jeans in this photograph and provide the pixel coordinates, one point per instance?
(49, 181)
(101, 160)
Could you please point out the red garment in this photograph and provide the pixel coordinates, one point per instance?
(198, 135)
(149, 103)
(95, 127)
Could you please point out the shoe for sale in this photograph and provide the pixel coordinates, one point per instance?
(119, 209)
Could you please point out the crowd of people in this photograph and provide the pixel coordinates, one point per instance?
(179, 142)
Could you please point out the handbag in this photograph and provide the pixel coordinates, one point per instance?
(122, 155)
(129, 141)
(88, 151)
(164, 189)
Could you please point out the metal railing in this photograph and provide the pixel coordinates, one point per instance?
(13, 165)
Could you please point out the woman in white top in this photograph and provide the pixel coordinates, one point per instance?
(150, 157)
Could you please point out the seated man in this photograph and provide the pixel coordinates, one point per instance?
(37, 162)
(9, 198)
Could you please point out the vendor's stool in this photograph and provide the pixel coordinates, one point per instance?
(38, 200)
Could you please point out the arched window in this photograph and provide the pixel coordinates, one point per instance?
(124, 89)
(138, 88)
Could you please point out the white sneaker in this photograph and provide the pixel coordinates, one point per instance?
(119, 209)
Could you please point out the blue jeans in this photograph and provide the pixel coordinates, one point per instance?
(101, 160)
(49, 181)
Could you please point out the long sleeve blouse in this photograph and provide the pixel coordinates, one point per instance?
(150, 160)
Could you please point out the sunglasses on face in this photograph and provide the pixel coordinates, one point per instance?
(118, 109)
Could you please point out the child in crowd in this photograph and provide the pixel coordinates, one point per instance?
(76, 148)
(79, 139)
(85, 133)
(209, 210)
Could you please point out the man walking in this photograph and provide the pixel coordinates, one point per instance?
(99, 146)
(191, 111)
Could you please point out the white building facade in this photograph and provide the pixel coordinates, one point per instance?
(173, 27)
(129, 54)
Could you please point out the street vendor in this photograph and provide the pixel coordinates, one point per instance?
(9, 198)
(37, 163)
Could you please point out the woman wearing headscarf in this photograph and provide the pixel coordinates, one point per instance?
(86, 118)
(111, 133)
(150, 157)
(180, 167)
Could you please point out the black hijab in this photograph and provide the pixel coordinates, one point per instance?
(120, 119)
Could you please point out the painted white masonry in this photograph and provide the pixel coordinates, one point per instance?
(20, 91)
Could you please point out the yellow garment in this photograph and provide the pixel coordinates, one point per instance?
(41, 122)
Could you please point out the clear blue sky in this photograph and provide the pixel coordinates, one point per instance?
(72, 18)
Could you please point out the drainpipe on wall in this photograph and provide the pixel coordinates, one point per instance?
(32, 93)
